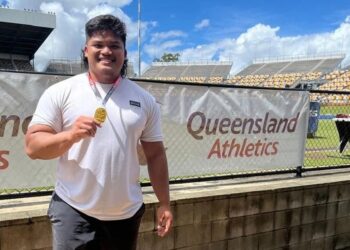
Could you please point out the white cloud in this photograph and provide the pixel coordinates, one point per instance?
(157, 50)
(55, 7)
(161, 42)
(347, 19)
(202, 24)
(263, 41)
(159, 36)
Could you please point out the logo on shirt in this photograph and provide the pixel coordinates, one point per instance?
(135, 103)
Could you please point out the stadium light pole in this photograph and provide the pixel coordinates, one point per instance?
(139, 35)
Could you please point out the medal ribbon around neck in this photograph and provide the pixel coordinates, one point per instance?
(101, 112)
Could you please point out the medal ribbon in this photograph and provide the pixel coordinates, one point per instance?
(110, 92)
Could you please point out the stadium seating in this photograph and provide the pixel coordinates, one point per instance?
(286, 73)
(326, 64)
(153, 72)
(337, 80)
(199, 79)
(280, 74)
(215, 79)
(65, 66)
(23, 65)
(22, 34)
(210, 72)
(18, 65)
(6, 64)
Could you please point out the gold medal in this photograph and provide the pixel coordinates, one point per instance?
(100, 115)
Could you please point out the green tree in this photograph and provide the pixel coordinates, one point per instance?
(168, 57)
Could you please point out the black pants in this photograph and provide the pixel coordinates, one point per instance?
(72, 229)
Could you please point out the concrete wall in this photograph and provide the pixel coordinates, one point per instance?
(312, 212)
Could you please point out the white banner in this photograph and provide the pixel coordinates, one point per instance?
(224, 130)
(206, 130)
(19, 96)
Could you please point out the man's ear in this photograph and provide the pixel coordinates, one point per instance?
(85, 51)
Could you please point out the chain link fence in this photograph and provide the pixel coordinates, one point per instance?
(326, 142)
(329, 130)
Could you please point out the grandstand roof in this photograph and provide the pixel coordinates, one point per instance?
(180, 70)
(312, 64)
(23, 32)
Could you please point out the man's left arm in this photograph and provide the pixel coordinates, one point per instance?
(158, 173)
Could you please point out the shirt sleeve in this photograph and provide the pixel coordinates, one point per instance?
(153, 130)
(48, 111)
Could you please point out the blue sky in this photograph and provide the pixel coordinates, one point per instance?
(221, 30)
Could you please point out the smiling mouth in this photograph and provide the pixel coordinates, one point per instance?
(107, 61)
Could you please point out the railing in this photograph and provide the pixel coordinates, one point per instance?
(339, 55)
(322, 144)
(190, 63)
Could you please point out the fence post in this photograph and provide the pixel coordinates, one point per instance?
(299, 172)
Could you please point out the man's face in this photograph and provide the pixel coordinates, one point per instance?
(105, 53)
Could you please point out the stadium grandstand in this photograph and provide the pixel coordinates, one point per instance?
(21, 35)
(199, 72)
(73, 67)
(294, 72)
(59, 66)
(307, 72)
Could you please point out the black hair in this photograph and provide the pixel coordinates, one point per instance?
(106, 23)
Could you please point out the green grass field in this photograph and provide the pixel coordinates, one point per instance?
(322, 150)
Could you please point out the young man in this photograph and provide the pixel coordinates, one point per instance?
(93, 122)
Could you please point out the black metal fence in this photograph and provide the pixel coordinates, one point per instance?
(326, 143)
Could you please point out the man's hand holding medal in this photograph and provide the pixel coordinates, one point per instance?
(84, 127)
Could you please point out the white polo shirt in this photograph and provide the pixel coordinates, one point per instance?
(99, 175)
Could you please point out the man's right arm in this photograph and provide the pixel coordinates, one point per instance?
(43, 142)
